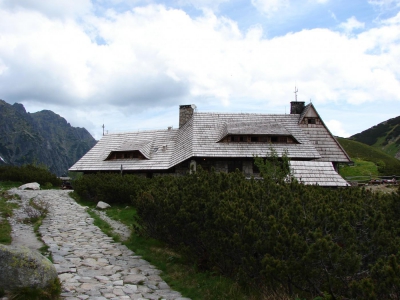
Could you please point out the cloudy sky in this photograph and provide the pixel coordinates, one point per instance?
(129, 64)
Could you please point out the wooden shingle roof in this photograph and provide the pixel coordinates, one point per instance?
(316, 173)
(158, 145)
(201, 136)
(323, 140)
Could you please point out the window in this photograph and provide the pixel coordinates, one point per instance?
(125, 155)
(283, 139)
(311, 121)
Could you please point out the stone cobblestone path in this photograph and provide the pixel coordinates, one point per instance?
(90, 264)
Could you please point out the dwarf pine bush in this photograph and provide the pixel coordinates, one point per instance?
(304, 240)
(28, 173)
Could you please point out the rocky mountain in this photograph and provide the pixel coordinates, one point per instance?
(384, 136)
(40, 138)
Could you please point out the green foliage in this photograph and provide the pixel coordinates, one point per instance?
(284, 238)
(389, 130)
(110, 188)
(75, 175)
(307, 240)
(176, 271)
(6, 185)
(273, 167)
(384, 136)
(360, 168)
(386, 164)
(6, 210)
(28, 173)
(52, 292)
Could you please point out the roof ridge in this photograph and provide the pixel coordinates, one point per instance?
(227, 113)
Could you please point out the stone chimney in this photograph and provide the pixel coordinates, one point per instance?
(296, 107)
(185, 113)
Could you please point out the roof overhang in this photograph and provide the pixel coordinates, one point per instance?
(253, 128)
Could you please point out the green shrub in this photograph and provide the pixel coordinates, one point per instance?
(28, 173)
(307, 240)
(109, 187)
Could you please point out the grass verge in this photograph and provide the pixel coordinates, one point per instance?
(6, 210)
(178, 272)
(37, 211)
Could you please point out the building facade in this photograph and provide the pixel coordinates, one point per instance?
(224, 141)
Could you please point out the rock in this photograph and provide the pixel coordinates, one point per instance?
(135, 278)
(102, 205)
(30, 186)
(22, 267)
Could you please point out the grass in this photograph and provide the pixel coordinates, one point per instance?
(179, 272)
(52, 292)
(43, 209)
(360, 168)
(6, 185)
(6, 210)
(360, 151)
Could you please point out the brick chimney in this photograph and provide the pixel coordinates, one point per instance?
(296, 107)
(185, 113)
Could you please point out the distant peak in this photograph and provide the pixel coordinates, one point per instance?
(19, 108)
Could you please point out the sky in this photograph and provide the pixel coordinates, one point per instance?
(129, 64)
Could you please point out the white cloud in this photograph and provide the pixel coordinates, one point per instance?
(269, 7)
(351, 24)
(333, 16)
(384, 3)
(337, 129)
(153, 58)
(59, 8)
(202, 4)
(392, 21)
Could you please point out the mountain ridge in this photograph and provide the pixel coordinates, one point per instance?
(384, 136)
(42, 137)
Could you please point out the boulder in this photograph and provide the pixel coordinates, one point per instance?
(22, 267)
(30, 186)
(102, 205)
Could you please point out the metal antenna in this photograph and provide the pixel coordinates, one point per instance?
(295, 92)
(103, 129)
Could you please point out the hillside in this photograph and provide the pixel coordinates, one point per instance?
(385, 136)
(386, 164)
(40, 138)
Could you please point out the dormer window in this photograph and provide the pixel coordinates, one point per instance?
(255, 132)
(116, 155)
(274, 139)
